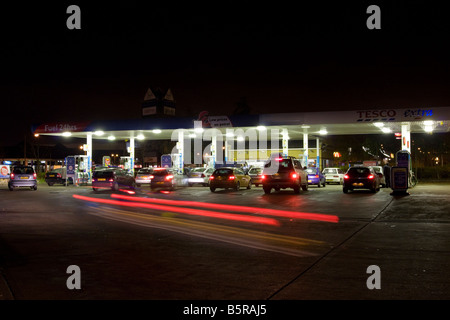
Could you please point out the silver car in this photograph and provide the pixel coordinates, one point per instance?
(144, 176)
(200, 175)
(22, 176)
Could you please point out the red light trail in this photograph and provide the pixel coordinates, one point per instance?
(217, 206)
(189, 211)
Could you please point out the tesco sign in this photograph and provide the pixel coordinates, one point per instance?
(370, 115)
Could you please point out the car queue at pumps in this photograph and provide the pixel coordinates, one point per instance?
(298, 135)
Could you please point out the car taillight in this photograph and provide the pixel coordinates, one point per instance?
(370, 176)
(169, 177)
(211, 178)
(294, 176)
(34, 175)
(58, 175)
(12, 175)
(231, 177)
(263, 177)
(346, 176)
(111, 180)
(278, 159)
(316, 176)
(151, 177)
(203, 175)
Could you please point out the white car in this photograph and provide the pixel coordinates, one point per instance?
(333, 175)
(379, 171)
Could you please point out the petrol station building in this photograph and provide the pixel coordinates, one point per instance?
(251, 137)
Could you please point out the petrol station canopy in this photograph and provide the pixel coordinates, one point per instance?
(373, 121)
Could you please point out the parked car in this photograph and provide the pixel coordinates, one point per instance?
(288, 174)
(200, 175)
(163, 178)
(229, 177)
(22, 176)
(379, 171)
(57, 176)
(255, 174)
(361, 177)
(333, 175)
(143, 176)
(316, 177)
(112, 178)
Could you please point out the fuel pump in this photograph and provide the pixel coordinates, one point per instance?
(126, 163)
(401, 173)
(78, 169)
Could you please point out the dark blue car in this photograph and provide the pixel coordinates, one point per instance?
(315, 177)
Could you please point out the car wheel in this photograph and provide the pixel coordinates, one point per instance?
(257, 185)
(267, 190)
(305, 187)
(34, 188)
(249, 186)
(190, 184)
(138, 185)
(95, 189)
(212, 189)
(50, 184)
(297, 189)
(345, 190)
(115, 186)
(318, 185)
(324, 184)
(238, 186)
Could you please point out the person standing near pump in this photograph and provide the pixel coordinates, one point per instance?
(387, 175)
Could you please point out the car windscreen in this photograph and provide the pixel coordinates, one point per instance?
(103, 174)
(223, 172)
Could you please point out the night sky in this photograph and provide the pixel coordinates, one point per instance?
(281, 56)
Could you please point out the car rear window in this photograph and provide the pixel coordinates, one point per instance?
(329, 171)
(21, 170)
(311, 171)
(255, 171)
(160, 172)
(283, 165)
(198, 169)
(103, 174)
(359, 171)
(377, 169)
(145, 171)
(223, 172)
